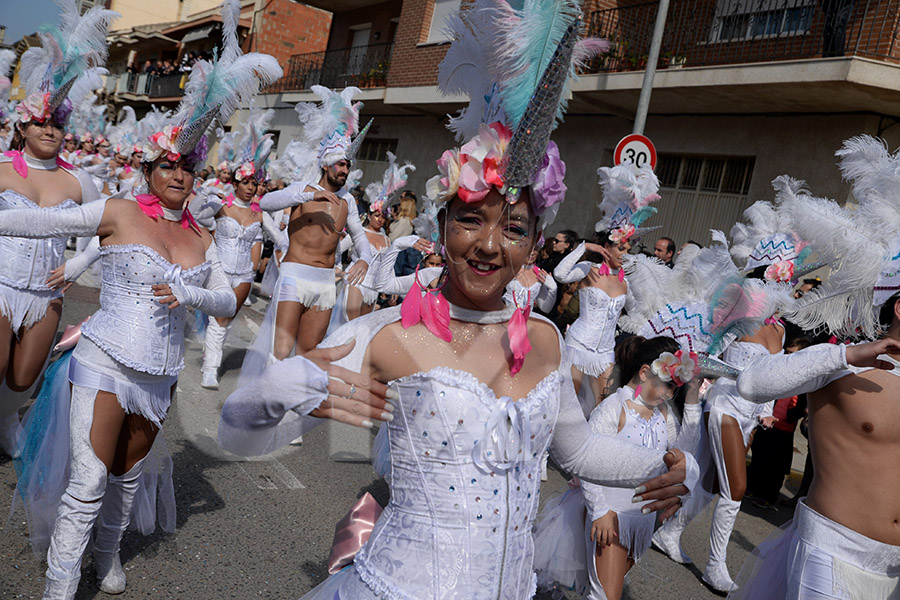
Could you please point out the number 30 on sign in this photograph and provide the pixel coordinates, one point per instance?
(636, 149)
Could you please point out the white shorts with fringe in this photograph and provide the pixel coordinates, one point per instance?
(25, 307)
(313, 287)
(813, 557)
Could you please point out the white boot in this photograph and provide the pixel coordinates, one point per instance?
(8, 426)
(212, 354)
(111, 524)
(716, 573)
(80, 504)
(667, 539)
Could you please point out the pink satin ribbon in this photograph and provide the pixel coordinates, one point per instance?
(517, 329)
(254, 205)
(352, 532)
(772, 321)
(536, 269)
(127, 169)
(604, 270)
(426, 306)
(69, 337)
(149, 205)
(21, 167)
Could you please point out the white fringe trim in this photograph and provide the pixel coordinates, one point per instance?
(635, 532)
(23, 307)
(590, 363)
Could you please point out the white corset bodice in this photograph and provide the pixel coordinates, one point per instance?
(464, 490)
(595, 327)
(131, 325)
(368, 281)
(649, 433)
(27, 263)
(518, 295)
(234, 243)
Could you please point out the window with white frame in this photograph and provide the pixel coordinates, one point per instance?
(753, 19)
(442, 10)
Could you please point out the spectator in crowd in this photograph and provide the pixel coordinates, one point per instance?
(664, 250)
(148, 67)
(773, 449)
(406, 212)
(562, 243)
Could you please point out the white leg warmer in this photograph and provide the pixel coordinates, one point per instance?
(215, 342)
(80, 504)
(724, 516)
(111, 524)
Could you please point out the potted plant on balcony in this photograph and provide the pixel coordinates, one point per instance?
(673, 60)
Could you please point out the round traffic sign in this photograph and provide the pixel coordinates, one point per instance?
(636, 149)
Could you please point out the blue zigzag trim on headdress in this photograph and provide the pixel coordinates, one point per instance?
(766, 246)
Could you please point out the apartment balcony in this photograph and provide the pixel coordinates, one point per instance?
(146, 87)
(747, 56)
(360, 66)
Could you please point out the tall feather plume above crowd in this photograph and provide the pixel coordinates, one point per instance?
(67, 51)
(220, 86)
(497, 62)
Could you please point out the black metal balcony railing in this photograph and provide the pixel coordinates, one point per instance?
(718, 32)
(143, 84)
(362, 66)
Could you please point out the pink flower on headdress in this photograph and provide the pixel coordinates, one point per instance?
(622, 234)
(163, 141)
(35, 107)
(446, 184)
(137, 149)
(678, 367)
(780, 272)
(69, 137)
(480, 162)
(87, 137)
(246, 170)
(222, 166)
(548, 188)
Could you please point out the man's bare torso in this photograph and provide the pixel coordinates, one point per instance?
(854, 436)
(315, 231)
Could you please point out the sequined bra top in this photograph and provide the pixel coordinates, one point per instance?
(27, 263)
(235, 243)
(464, 490)
(131, 325)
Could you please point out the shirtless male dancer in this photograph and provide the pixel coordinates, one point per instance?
(319, 213)
(847, 530)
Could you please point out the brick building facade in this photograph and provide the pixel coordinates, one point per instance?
(285, 28)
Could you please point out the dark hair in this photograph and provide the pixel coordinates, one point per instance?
(886, 314)
(670, 244)
(409, 194)
(800, 341)
(758, 273)
(601, 238)
(570, 236)
(634, 352)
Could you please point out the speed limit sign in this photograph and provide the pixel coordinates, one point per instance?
(636, 149)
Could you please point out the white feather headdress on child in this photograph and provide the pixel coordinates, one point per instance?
(7, 58)
(213, 91)
(69, 51)
(864, 243)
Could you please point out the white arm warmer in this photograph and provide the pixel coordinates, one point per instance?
(292, 195)
(270, 412)
(80, 221)
(569, 269)
(80, 263)
(356, 231)
(546, 297)
(786, 375)
(216, 298)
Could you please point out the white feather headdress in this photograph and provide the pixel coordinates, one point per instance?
(67, 52)
(213, 91)
(628, 192)
(864, 244)
(253, 145)
(331, 124)
(394, 179)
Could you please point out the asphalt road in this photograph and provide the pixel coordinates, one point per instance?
(263, 528)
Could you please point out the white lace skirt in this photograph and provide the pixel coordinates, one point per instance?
(24, 307)
(347, 580)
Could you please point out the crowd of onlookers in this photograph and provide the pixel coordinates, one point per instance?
(161, 67)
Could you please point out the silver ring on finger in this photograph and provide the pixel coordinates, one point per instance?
(352, 391)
